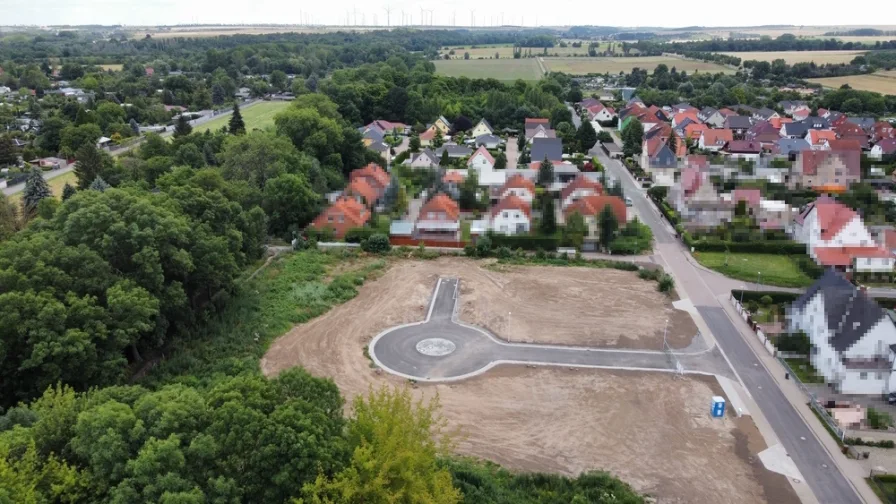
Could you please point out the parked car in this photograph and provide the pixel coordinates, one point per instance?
(628, 201)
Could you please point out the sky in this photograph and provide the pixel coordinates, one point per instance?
(526, 12)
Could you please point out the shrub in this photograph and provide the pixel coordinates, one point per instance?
(765, 300)
(483, 246)
(503, 252)
(470, 250)
(539, 253)
(525, 242)
(794, 342)
(666, 283)
(777, 297)
(878, 419)
(376, 244)
(359, 234)
(883, 443)
(649, 274)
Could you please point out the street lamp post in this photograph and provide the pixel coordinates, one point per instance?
(666, 328)
(758, 280)
(742, 289)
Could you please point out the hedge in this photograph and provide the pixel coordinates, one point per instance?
(778, 297)
(525, 242)
(786, 247)
(359, 234)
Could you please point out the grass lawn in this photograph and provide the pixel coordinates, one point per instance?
(885, 490)
(502, 69)
(258, 116)
(581, 66)
(804, 370)
(56, 184)
(779, 270)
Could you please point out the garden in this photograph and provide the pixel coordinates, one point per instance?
(766, 269)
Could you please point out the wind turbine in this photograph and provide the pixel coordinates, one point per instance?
(431, 11)
(472, 18)
(388, 15)
(421, 16)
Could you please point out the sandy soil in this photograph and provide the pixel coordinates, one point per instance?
(651, 429)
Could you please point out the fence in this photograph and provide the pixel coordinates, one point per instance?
(756, 330)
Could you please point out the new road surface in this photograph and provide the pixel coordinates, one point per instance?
(826, 481)
(441, 348)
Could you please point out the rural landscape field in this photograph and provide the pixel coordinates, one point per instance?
(506, 50)
(526, 69)
(879, 82)
(258, 116)
(580, 66)
(791, 57)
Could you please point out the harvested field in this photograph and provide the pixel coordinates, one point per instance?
(113, 68)
(791, 57)
(879, 82)
(502, 69)
(506, 50)
(581, 66)
(558, 420)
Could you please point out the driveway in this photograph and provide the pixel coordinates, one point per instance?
(512, 152)
(441, 348)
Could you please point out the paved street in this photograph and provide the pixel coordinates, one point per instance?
(813, 461)
(442, 349)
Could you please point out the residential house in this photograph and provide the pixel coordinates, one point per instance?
(764, 133)
(817, 123)
(659, 160)
(547, 148)
(683, 107)
(679, 118)
(564, 172)
(656, 113)
(519, 186)
(453, 180)
(512, 215)
(825, 170)
(715, 139)
(744, 149)
(439, 219)
(481, 160)
(580, 187)
(539, 131)
(738, 124)
(764, 114)
(751, 197)
(442, 125)
(791, 147)
(587, 102)
(774, 214)
(697, 161)
(634, 100)
(371, 136)
(454, 151)
(866, 123)
(363, 191)
(789, 106)
(693, 131)
(590, 207)
(835, 236)
(488, 141)
(49, 163)
(801, 113)
(794, 130)
(696, 199)
(883, 148)
(711, 117)
(423, 159)
(849, 131)
(852, 337)
(881, 130)
(482, 128)
(343, 214)
(818, 138)
(386, 127)
(374, 174)
(600, 112)
(531, 122)
(427, 137)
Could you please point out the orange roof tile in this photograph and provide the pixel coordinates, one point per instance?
(843, 256)
(817, 137)
(512, 202)
(373, 172)
(594, 205)
(453, 177)
(581, 182)
(353, 212)
(717, 137)
(441, 203)
(832, 217)
(361, 187)
(518, 182)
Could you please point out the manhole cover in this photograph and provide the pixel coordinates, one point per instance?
(435, 347)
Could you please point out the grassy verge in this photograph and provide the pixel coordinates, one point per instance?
(294, 289)
(56, 184)
(804, 370)
(770, 269)
(826, 426)
(465, 231)
(258, 116)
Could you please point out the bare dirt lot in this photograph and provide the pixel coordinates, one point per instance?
(651, 429)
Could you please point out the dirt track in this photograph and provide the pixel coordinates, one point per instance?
(652, 430)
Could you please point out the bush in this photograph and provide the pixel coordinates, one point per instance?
(359, 234)
(376, 244)
(470, 250)
(794, 342)
(483, 246)
(883, 443)
(666, 283)
(650, 274)
(765, 300)
(525, 242)
(503, 252)
(780, 298)
(878, 419)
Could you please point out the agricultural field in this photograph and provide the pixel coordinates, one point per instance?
(879, 82)
(506, 51)
(113, 68)
(581, 66)
(509, 69)
(220, 31)
(791, 57)
(555, 420)
(258, 116)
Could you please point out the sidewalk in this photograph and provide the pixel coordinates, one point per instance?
(851, 470)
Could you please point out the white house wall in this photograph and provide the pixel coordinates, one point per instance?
(523, 194)
(874, 382)
(506, 221)
(876, 342)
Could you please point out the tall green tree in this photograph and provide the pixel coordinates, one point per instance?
(290, 204)
(445, 160)
(36, 189)
(608, 226)
(548, 225)
(575, 230)
(91, 163)
(182, 128)
(10, 221)
(586, 136)
(68, 191)
(7, 151)
(546, 172)
(501, 161)
(396, 446)
(673, 143)
(98, 184)
(632, 138)
(236, 126)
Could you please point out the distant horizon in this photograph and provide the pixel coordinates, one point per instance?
(834, 27)
(461, 13)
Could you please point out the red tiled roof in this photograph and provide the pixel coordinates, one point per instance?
(373, 172)
(717, 136)
(832, 217)
(845, 144)
(481, 151)
(810, 160)
(453, 176)
(727, 112)
(846, 129)
(428, 134)
(744, 146)
(889, 236)
(751, 196)
(581, 182)
(518, 182)
(817, 137)
(696, 161)
(594, 205)
(690, 180)
(440, 203)
(887, 145)
(778, 121)
(361, 187)
(843, 256)
(694, 130)
(512, 202)
(532, 121)
(354, 213)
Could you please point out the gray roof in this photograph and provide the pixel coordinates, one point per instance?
(664, 158)
(487, 139)
(487, 125)
(738, 122)
(374, 134)
(378, 147)
(401, 228)
(706, 113)
(850, 314)
(627, 93)
(796, 129)
(455, 151)
(862, 122)
(765, 112)
(788, 145)
(550, 147)
(815, 122)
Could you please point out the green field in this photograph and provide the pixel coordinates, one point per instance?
(258, 116)
(771, 269)
(501, 69)
(56, 184)
(582, 66)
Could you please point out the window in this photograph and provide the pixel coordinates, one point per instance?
(880, 376)
(329, 218)
(863, 376)
(341, 219)
(505, 214)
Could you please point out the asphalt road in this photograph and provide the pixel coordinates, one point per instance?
(474, 350)
(813, 461)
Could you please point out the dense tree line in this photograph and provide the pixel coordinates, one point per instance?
(784, 42)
